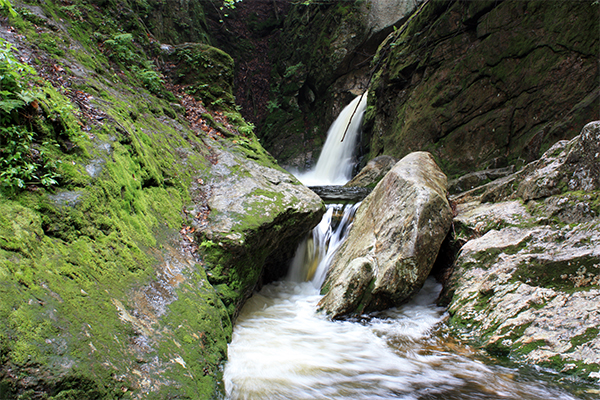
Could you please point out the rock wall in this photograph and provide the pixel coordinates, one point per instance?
(484, 84)
(526, 282)
(321, 62)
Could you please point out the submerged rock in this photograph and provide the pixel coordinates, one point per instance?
(526, 282)
(394, 241)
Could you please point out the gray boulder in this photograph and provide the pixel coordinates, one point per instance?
(373, 172)
(394, 241)
(566, 166)
(527, 283)
(258, 215)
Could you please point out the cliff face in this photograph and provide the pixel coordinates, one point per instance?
(485, 83)
(111, 229)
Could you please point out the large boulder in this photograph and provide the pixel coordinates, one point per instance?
(258, 215)
(526, 282)
(393, 243)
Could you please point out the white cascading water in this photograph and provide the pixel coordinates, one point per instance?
(314, 254)
(283, 348)
(336, 161)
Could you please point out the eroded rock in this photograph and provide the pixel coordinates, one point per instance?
(566, 166)
(256, 211)
(532, 293)
(526, 282)
(394, 241)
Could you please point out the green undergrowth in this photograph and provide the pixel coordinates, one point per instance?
(95, 178)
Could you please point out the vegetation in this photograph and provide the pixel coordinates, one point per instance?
(24, 159)
(93, 148)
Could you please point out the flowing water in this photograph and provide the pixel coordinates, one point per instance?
(283, 348)
(334, 166)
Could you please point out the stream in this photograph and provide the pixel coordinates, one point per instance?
(283, 348)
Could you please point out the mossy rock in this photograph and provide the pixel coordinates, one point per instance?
(208, 71)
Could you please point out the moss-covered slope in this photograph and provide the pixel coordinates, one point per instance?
(104, 172)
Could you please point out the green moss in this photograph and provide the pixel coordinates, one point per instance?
(562, 275)
(68, 257)
(589, 334)
(209, 71)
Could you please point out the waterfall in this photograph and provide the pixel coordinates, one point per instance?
(315, 253)
(335, 163)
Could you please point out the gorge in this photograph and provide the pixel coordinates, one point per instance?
(152, 240)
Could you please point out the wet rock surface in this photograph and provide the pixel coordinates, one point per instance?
(483, 81)
(478, 178)
(526, 282)
(391, 247)
(257, 213)
(341, 193)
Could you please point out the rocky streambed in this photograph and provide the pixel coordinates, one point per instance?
(522, 256)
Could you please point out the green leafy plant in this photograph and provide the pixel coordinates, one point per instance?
(5, 6)
(151, 79)
(14, 91)
(272, 105)
(121, 49)
(208, 244)
(293, 70)
(22, 162)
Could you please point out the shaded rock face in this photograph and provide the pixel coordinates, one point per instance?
(566, 166)
(322, 62)
(485, 83)
(393, 243)
(478, 178)
(177, 21)
(526, 282)
(343, 194)
(373, 172)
